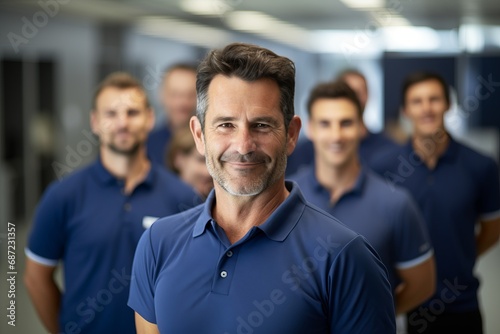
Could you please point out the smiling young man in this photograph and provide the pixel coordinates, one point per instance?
(344, 187)
(458, 191)
(371, 144)
(256, 256)
(92, 220)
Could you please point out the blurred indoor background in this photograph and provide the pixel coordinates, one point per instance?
(54, 52)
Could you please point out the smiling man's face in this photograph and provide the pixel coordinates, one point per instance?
(244, 141)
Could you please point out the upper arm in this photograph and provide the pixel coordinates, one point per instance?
(47, 237)
(145, 327)
(490, 228)
(422, 274)
(492, 225)
(142, 284)
(361, 299)
(35, 272)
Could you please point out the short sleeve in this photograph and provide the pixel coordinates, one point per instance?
(46, 241)
(489, 192)
(361, 300)
(412, 242)
(141, 295)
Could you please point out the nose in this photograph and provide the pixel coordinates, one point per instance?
(245, 141)
(122, 119)
(335, 132)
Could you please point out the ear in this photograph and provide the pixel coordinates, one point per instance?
(197, 131)
(309, 130)
(363, 129)
(93, 122)
(151, 119)
(293, 134)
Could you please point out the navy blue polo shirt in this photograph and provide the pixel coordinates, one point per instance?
(388, 219)
(300, 271)
(370, 148)
(462, 189)
(87, 221)
(157, 144)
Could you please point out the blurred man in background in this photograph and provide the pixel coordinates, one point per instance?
(178, 99)
(92, 220)
(371, 145)
(184, 159)
(343, 186)
(458, 191)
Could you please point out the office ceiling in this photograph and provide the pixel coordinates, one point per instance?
(310, 15)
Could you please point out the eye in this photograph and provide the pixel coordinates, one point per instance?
(346, 123)
(261, 126)
(323, 124)
(110, 113)
(133, 112)
(226, 125)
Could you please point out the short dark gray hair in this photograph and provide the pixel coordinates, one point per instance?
(250, 63)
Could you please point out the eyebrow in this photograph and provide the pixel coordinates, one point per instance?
(264, 119)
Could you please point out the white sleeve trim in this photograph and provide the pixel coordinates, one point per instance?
(39, 259)
(490, 216)
(416, 261)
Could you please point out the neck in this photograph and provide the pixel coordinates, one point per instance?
(238, 214)
(338, 179)
(430, 148)
(131, 168)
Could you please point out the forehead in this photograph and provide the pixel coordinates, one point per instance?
(328, 108)
(112, 97)
(427, 87)
(233, 95)
(179, 77)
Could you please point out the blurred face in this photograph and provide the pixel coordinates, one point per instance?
(121, 120)
(178, 97)
(244, 141)
(358, 85)
(193, 170)
(425, 106)
(335, 129)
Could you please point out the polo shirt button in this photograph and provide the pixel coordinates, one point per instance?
(229, 253)
(223, 274)
(127, 207)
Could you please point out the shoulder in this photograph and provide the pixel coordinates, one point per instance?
(475, 160)
(67, 186)
(322, 223)
(389, 159)
(175, 228)
(384, 190)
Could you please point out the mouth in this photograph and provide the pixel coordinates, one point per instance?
(428, 119)
(336, 148)
(244, 165)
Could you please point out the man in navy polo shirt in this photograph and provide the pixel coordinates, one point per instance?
(371, 144)
(178, 99)
(256, 257)
(339, 184)
(458, 192)
(92, 220)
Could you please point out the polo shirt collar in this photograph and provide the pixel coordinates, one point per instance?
(105, 177)
(358, 186)
(449, 154)
(276, 227)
